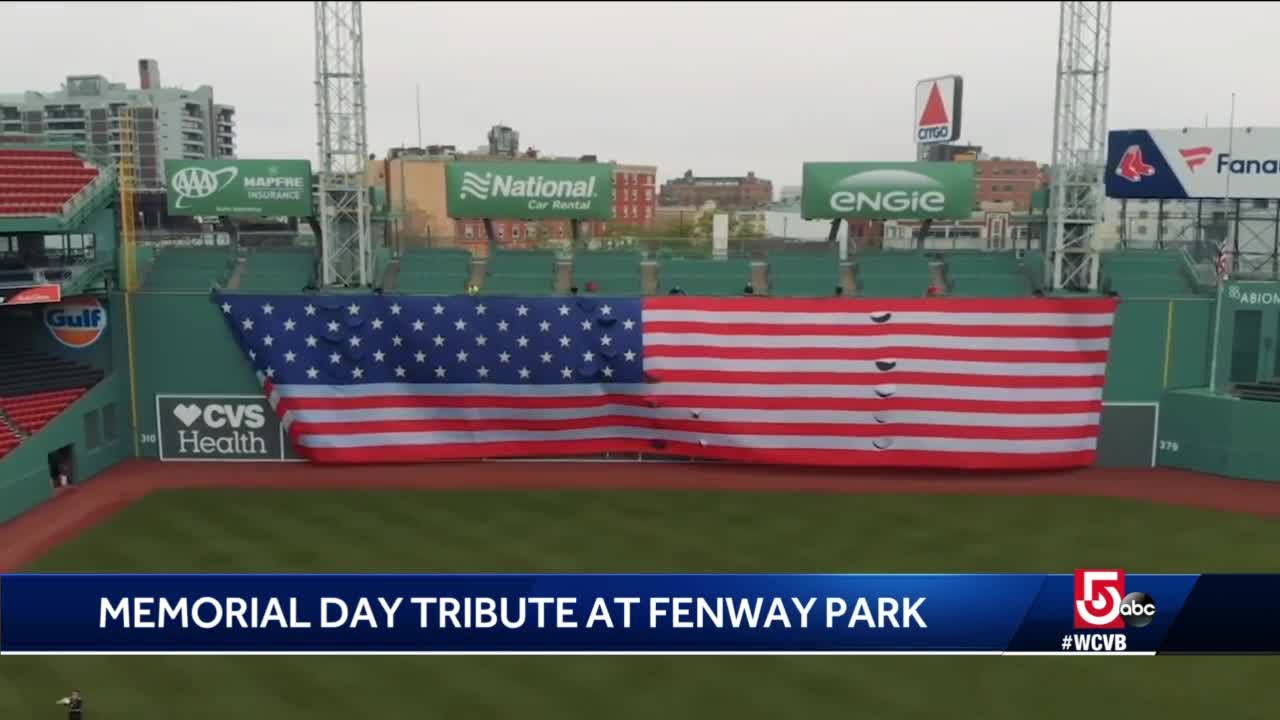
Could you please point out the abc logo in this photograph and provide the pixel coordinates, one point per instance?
(1137, 609)
(76, 323)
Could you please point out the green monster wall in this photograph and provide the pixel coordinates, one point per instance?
(97, 426)
(182, 346)
(1209, 430)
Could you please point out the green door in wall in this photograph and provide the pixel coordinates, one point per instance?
(1246, 346)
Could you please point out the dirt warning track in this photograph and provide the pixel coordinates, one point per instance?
(29, 536)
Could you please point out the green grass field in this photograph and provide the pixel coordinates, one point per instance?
(224, 530)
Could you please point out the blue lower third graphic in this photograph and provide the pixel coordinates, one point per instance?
(337, 614)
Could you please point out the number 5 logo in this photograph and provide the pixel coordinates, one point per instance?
(1098, 594)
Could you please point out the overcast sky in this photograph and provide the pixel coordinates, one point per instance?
(717, 88)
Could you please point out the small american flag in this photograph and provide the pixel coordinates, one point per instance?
(1224, 261)
(951, 383)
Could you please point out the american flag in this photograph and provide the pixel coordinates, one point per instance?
(1224, 261)
(924, 382)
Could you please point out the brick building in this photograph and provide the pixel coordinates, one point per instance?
(1013, 181)
(635, 190)
(746, 192)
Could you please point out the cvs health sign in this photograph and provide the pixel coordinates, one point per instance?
(219, 428)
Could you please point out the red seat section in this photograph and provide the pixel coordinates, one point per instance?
(40, 182)
(33, 411)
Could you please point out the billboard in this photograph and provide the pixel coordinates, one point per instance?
(76, 322)
(887, 190)
(225, 428)
(1194, 163)
(938, 108)
(270, 188)
(30, 295)
(530, 190)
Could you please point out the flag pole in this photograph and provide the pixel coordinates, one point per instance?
(1221, 275)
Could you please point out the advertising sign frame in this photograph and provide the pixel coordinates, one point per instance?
(1193, 163)
(942, 95)
(913, 190)
(283, 441)
(254, 188)
(529, 190)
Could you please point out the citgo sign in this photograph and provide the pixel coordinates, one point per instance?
(888, 191)
(76, 322)
(530, 190)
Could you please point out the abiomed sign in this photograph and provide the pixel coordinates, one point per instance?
(888, 190)
(1254, 294)
(530, 190)
(271, 188)
(223, 428)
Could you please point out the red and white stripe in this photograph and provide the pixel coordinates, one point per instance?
(926, 382)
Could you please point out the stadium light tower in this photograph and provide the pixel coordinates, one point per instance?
(1079, 144)
(343, 145)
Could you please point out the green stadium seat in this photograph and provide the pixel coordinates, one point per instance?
(443, 271)
(704, 277)
(613, 272)
(982, 273)
(803, 274)
(893, 273)
(1152, 273)
(189, 268)
(278, 269)
(520, 272)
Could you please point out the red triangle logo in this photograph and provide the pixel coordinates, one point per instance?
(935, 113)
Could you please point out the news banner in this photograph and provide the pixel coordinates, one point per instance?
(1087, 612)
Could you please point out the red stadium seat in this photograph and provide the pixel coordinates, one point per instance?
(40, 182)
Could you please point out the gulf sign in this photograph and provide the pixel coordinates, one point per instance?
(938, 102)
(1195, 163)
(76, 322)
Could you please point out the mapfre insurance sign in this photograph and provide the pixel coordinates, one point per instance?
(1194, 163)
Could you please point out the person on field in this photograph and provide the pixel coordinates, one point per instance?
(75, 705)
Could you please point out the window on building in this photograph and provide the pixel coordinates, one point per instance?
(531, 230)
(110, 431)
(515, 232)
(634, 193)
(92, 434)
(559, 231)
(1140, 229)
(501, 232)
(1142, 214)
(468, 232)
(648, 196)
(1260, 204)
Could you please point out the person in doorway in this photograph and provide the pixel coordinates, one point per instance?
(75, 705)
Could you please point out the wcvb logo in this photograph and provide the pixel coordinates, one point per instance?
(76, 323)
(1196, 156)
(1101, 603)
(1132, 167)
